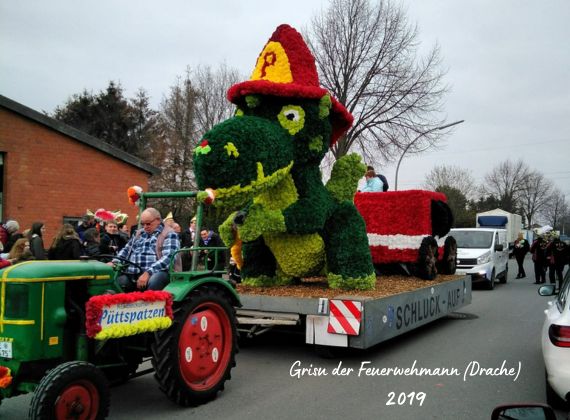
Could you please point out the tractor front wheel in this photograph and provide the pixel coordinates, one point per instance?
(193, 358)
(72, 390)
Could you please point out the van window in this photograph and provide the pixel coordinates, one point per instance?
(473, 238)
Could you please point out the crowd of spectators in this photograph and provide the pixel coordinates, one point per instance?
(88, 238)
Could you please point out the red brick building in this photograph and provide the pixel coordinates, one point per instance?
(51, 172)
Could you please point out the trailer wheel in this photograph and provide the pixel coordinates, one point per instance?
(193, 358)
(75, 390)
(426, 266)
(448, 264)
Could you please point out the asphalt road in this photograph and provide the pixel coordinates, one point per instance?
(500, 328)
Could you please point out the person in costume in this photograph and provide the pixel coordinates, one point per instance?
(521, 248)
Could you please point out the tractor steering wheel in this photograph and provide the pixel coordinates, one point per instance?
(124, 264)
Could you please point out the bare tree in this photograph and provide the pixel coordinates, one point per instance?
(535, 195)
(367, 58)
(452, 176)
(211, 86)
(177, 140)
(556, 209)
(196, 102)
(506, 181)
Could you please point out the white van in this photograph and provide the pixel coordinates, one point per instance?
(482, 253)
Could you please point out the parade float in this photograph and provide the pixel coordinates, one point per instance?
(309, 252)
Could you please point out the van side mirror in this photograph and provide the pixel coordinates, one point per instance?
(524, 411)
(499, 247)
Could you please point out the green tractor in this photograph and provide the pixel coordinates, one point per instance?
(67, 331)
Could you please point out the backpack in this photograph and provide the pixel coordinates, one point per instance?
(384, 182)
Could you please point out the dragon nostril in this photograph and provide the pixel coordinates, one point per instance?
(203, 149)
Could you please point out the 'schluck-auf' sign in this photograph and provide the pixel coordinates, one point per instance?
(125, 314)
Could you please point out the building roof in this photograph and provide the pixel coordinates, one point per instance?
(76, 134)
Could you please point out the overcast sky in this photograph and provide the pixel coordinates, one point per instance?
(508, 64)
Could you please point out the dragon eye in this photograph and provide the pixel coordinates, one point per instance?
(292, 118)
(292, 115)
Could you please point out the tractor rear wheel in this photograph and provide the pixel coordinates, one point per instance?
(426, 265)
(75, 390)
(193, 358)
(448, 263)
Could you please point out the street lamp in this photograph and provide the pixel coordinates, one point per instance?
(443, 127)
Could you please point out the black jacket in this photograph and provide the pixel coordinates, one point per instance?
(66, 249)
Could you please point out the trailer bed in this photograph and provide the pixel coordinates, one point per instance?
(365, 318)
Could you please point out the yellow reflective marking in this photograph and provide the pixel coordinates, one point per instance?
(19, 322)
(42, 313)
(54, 341)
(46, 279)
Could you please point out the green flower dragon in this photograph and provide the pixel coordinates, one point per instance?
(265, 162)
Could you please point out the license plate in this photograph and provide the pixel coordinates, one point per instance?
(6, 349)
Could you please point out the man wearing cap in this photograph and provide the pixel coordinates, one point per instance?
(13, 229)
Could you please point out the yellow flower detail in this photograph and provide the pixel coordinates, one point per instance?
(231, 149)
(273, 64)
(116, 331)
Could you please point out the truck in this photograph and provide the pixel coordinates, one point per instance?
(408, 228)
(67, 331)
(501, 219)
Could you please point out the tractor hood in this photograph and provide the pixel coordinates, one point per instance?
(57, 270)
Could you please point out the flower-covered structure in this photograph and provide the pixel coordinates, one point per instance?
(265, 161)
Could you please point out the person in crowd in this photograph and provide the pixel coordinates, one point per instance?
(111, 241)
(124, 231)
(66, 244)
(134, 228)
(92, 242)
(558, 254)
(521, 248)
(13, 230)
(209, 238)
(381, 177)
(87, 222)
(169, 219)
(373, 183)
(187, 241)
(35, 236)
(538, 252)
(20, 252)
(176, 228)
(151, 248)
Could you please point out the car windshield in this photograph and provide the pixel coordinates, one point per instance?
(473, 238)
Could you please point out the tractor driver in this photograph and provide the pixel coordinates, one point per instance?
(151, 248)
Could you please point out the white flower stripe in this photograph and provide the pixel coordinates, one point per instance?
(400, 241)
